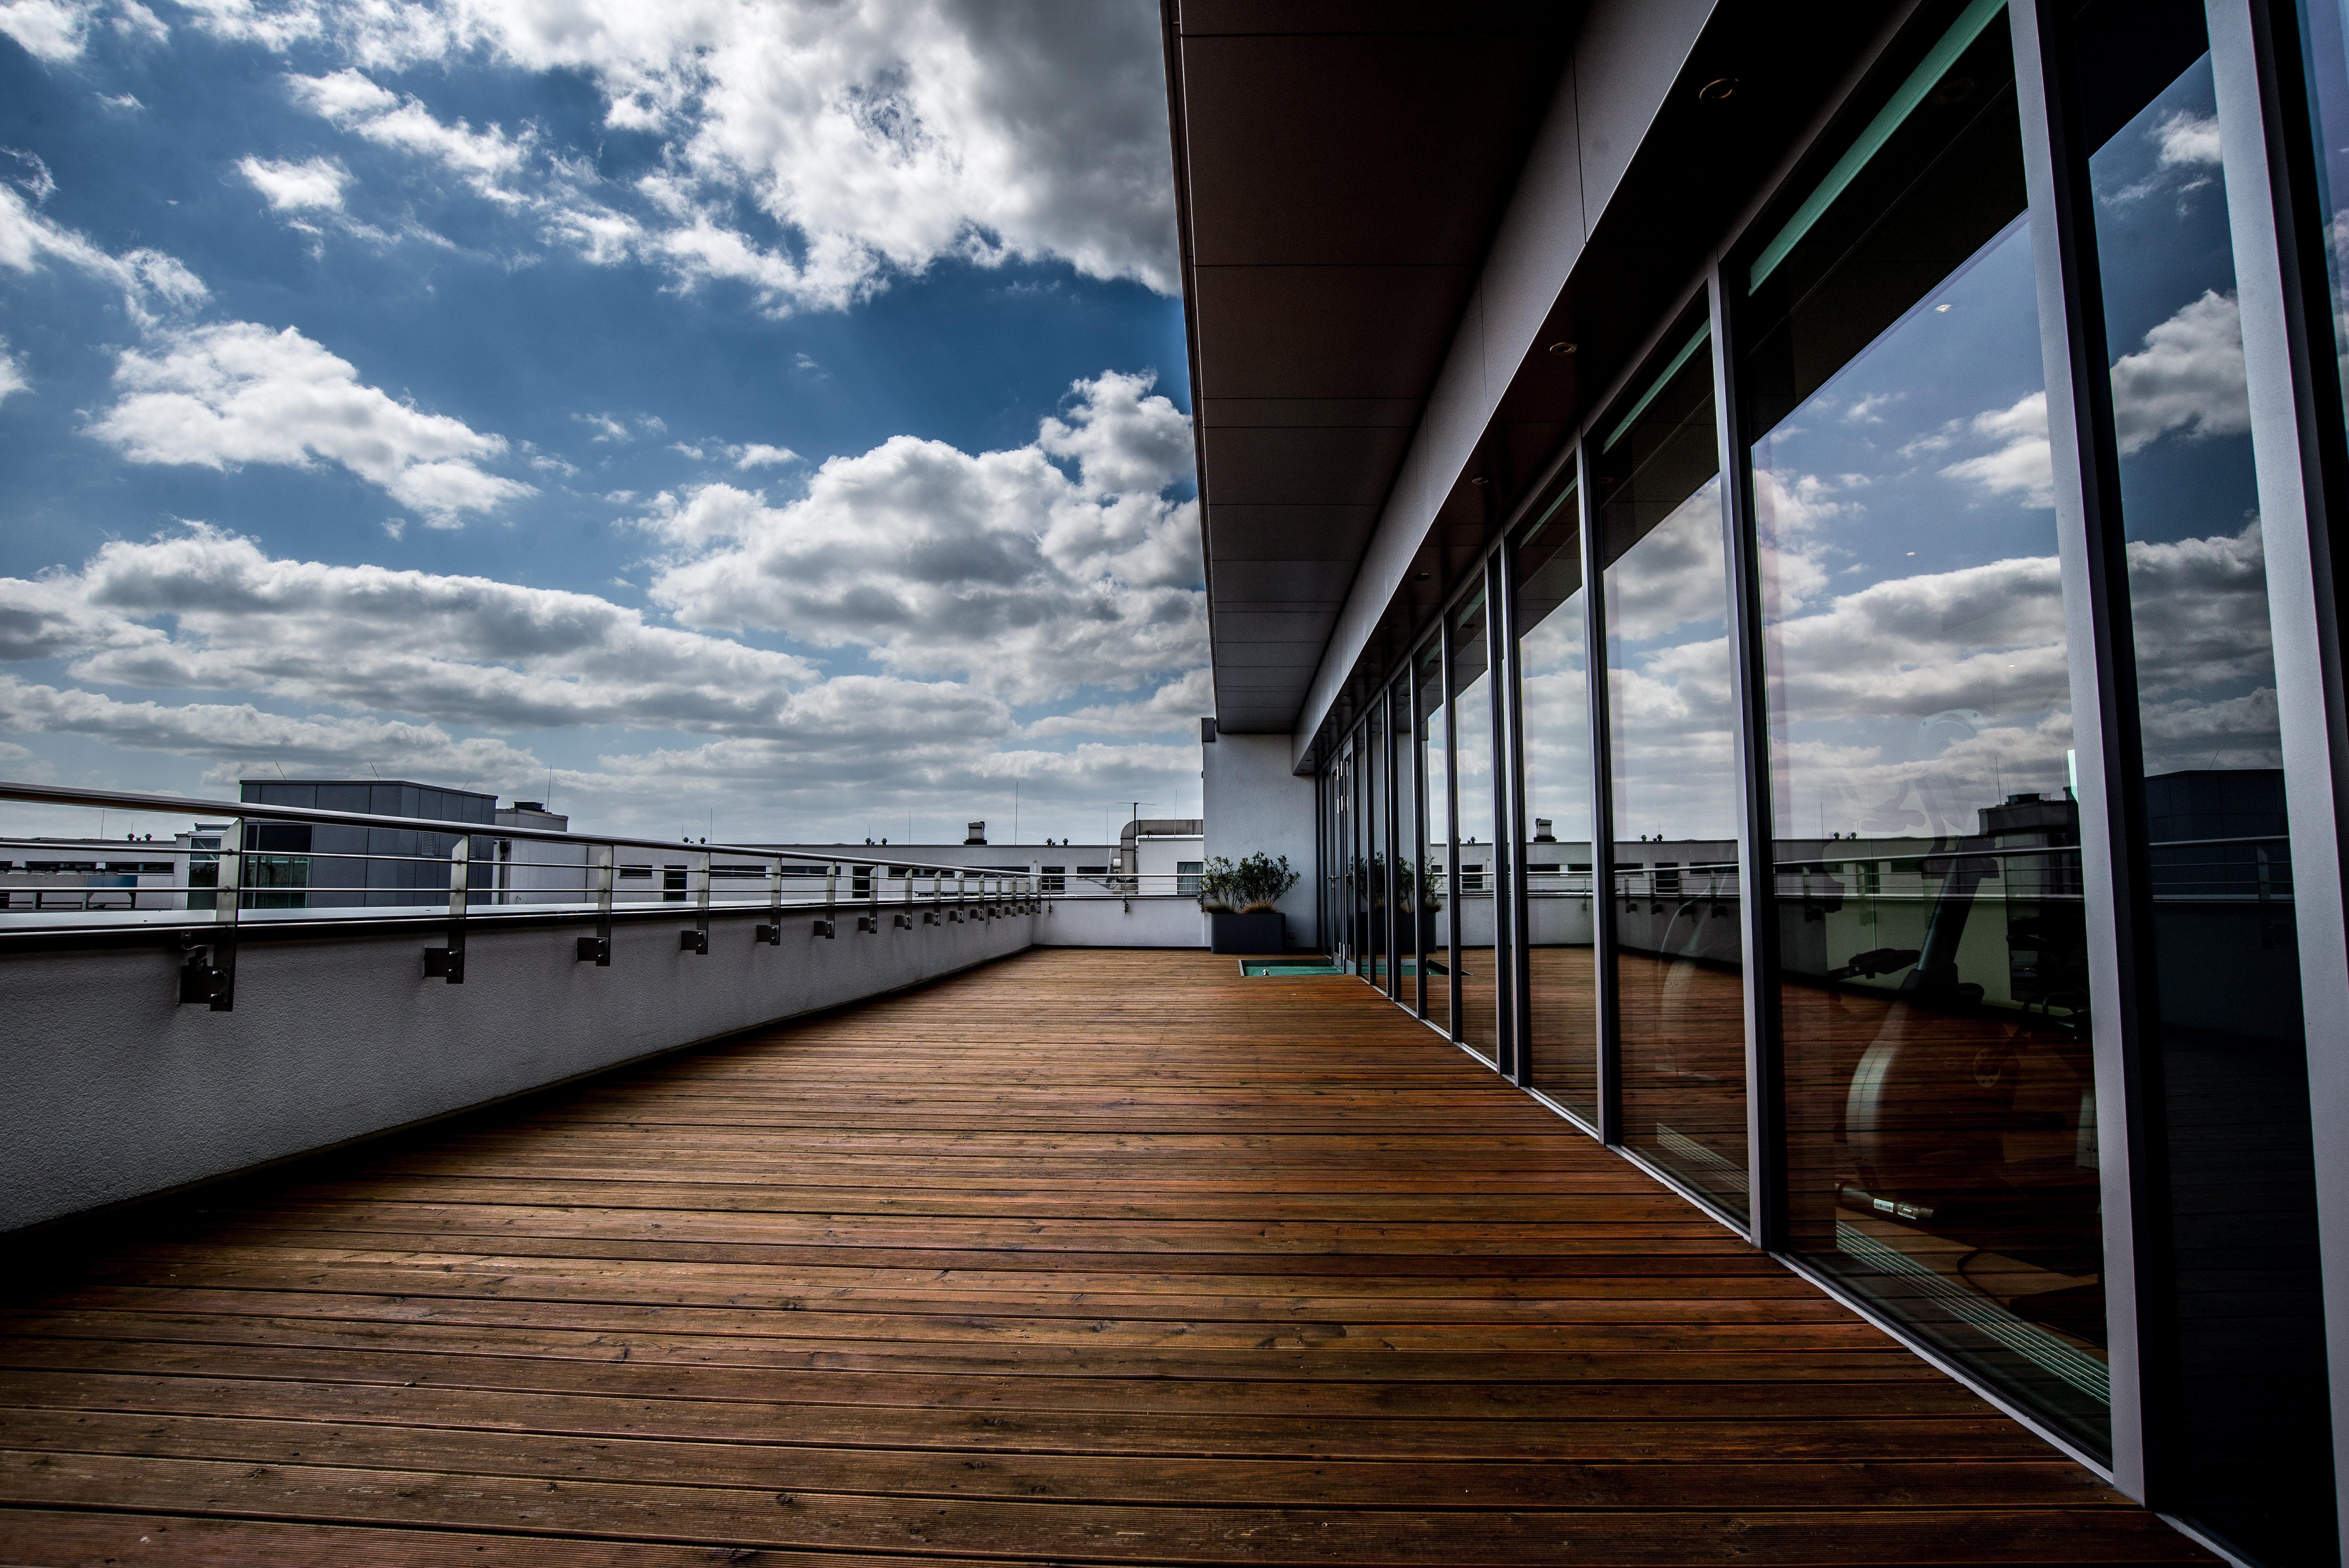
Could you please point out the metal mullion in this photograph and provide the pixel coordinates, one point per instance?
(1450, 831)
(1419, 922)
(1516, 968)
(1504, 1043)
(1765, 1099)
(1608, 1086)
(2283, 289)
(1386, 763)
(2086, 466)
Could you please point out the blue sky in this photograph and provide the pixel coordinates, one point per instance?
(760, 414)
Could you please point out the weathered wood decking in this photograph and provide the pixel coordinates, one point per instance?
(1099, 1256)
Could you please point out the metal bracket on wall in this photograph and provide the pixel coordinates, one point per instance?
(823, 929)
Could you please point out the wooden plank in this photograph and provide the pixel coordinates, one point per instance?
(1082, 1256)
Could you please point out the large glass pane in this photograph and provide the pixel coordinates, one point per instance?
(1471, 758)
(1678, 956)
(1410, 908)
(1435, 764)
(1554, 697)
(1373, 965)
(2244, 1292)
(1942, 1115)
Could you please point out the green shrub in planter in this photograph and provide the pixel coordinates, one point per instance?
(1242, 902)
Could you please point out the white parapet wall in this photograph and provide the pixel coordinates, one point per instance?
(116, 1091)
(1142, 921)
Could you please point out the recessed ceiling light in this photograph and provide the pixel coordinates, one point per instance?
(1715, 90)
(1478, 480)
(1562, 348)
(1423, 576)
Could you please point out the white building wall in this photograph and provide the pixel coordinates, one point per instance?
(1255, 804)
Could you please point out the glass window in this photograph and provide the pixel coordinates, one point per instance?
(1941, 1117)
(1554, 697)
(1678, 954)
(2244, 1293)
(1471, 758)
(1435, 769)
(1410, 910)
(1378, 928)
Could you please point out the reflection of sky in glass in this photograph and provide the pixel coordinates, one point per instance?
(2198, 586)
(1668, 668)
(1912, 604)
(1432, 748)
(1553, 698)
(1475, 760)
(2325, 35)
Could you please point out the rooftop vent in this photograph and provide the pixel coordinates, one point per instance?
(1542, 833)
(975, 834)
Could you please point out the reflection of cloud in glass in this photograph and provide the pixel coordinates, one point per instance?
(1675, 769)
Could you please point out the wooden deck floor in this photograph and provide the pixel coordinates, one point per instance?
(1083, 1256)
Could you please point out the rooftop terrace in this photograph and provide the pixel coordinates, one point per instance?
(1079, 1255)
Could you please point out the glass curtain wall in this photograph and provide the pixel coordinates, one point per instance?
(1478, 977)
(1375, 838)
(2244, 1307)
(1934, 994)
(1436, 839)
(1409, 872)
(1941, 1118)
(1554, 698)
(1677, 955)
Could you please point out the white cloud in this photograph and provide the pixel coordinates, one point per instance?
(408, 662)
(314, 185)
(484, 159)
(759, 455)
(12, 373)
(870, 141)
(2187, 140)
(52, 31)
(55, 31)
(238, 393)
(243, 735)
(2021, 467)
(2188, 378)
(1000, 565)
(1176, 705)
(150, 279)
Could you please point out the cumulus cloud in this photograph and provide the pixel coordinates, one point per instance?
(314, 185)
(12, 373)
(810, 152)
(1004, 566)
(1178, 703)
(151, 282)
(49, 30)
(241, 735)
(2187, 377)
(483, 159)
(408, 662)
(2186, 139)
(239, 393)
(759, 455)
(2021, 467)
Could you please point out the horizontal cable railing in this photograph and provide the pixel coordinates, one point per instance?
(249, 866)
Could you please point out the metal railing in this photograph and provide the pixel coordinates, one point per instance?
(259, 873)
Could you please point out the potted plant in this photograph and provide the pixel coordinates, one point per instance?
(1242, 903)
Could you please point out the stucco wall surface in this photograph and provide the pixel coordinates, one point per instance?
(115, 1091)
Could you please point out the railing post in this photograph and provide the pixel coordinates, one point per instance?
(210, 974)
(597, 949)
(773, 933)
(449, 962)
(696, 941)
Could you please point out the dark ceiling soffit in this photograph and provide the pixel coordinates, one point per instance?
(1388, 647)
(1383, 411)
(1179, 144)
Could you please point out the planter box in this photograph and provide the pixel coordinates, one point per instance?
(1248, 934)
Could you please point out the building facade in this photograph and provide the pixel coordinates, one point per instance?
(1798, 555)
